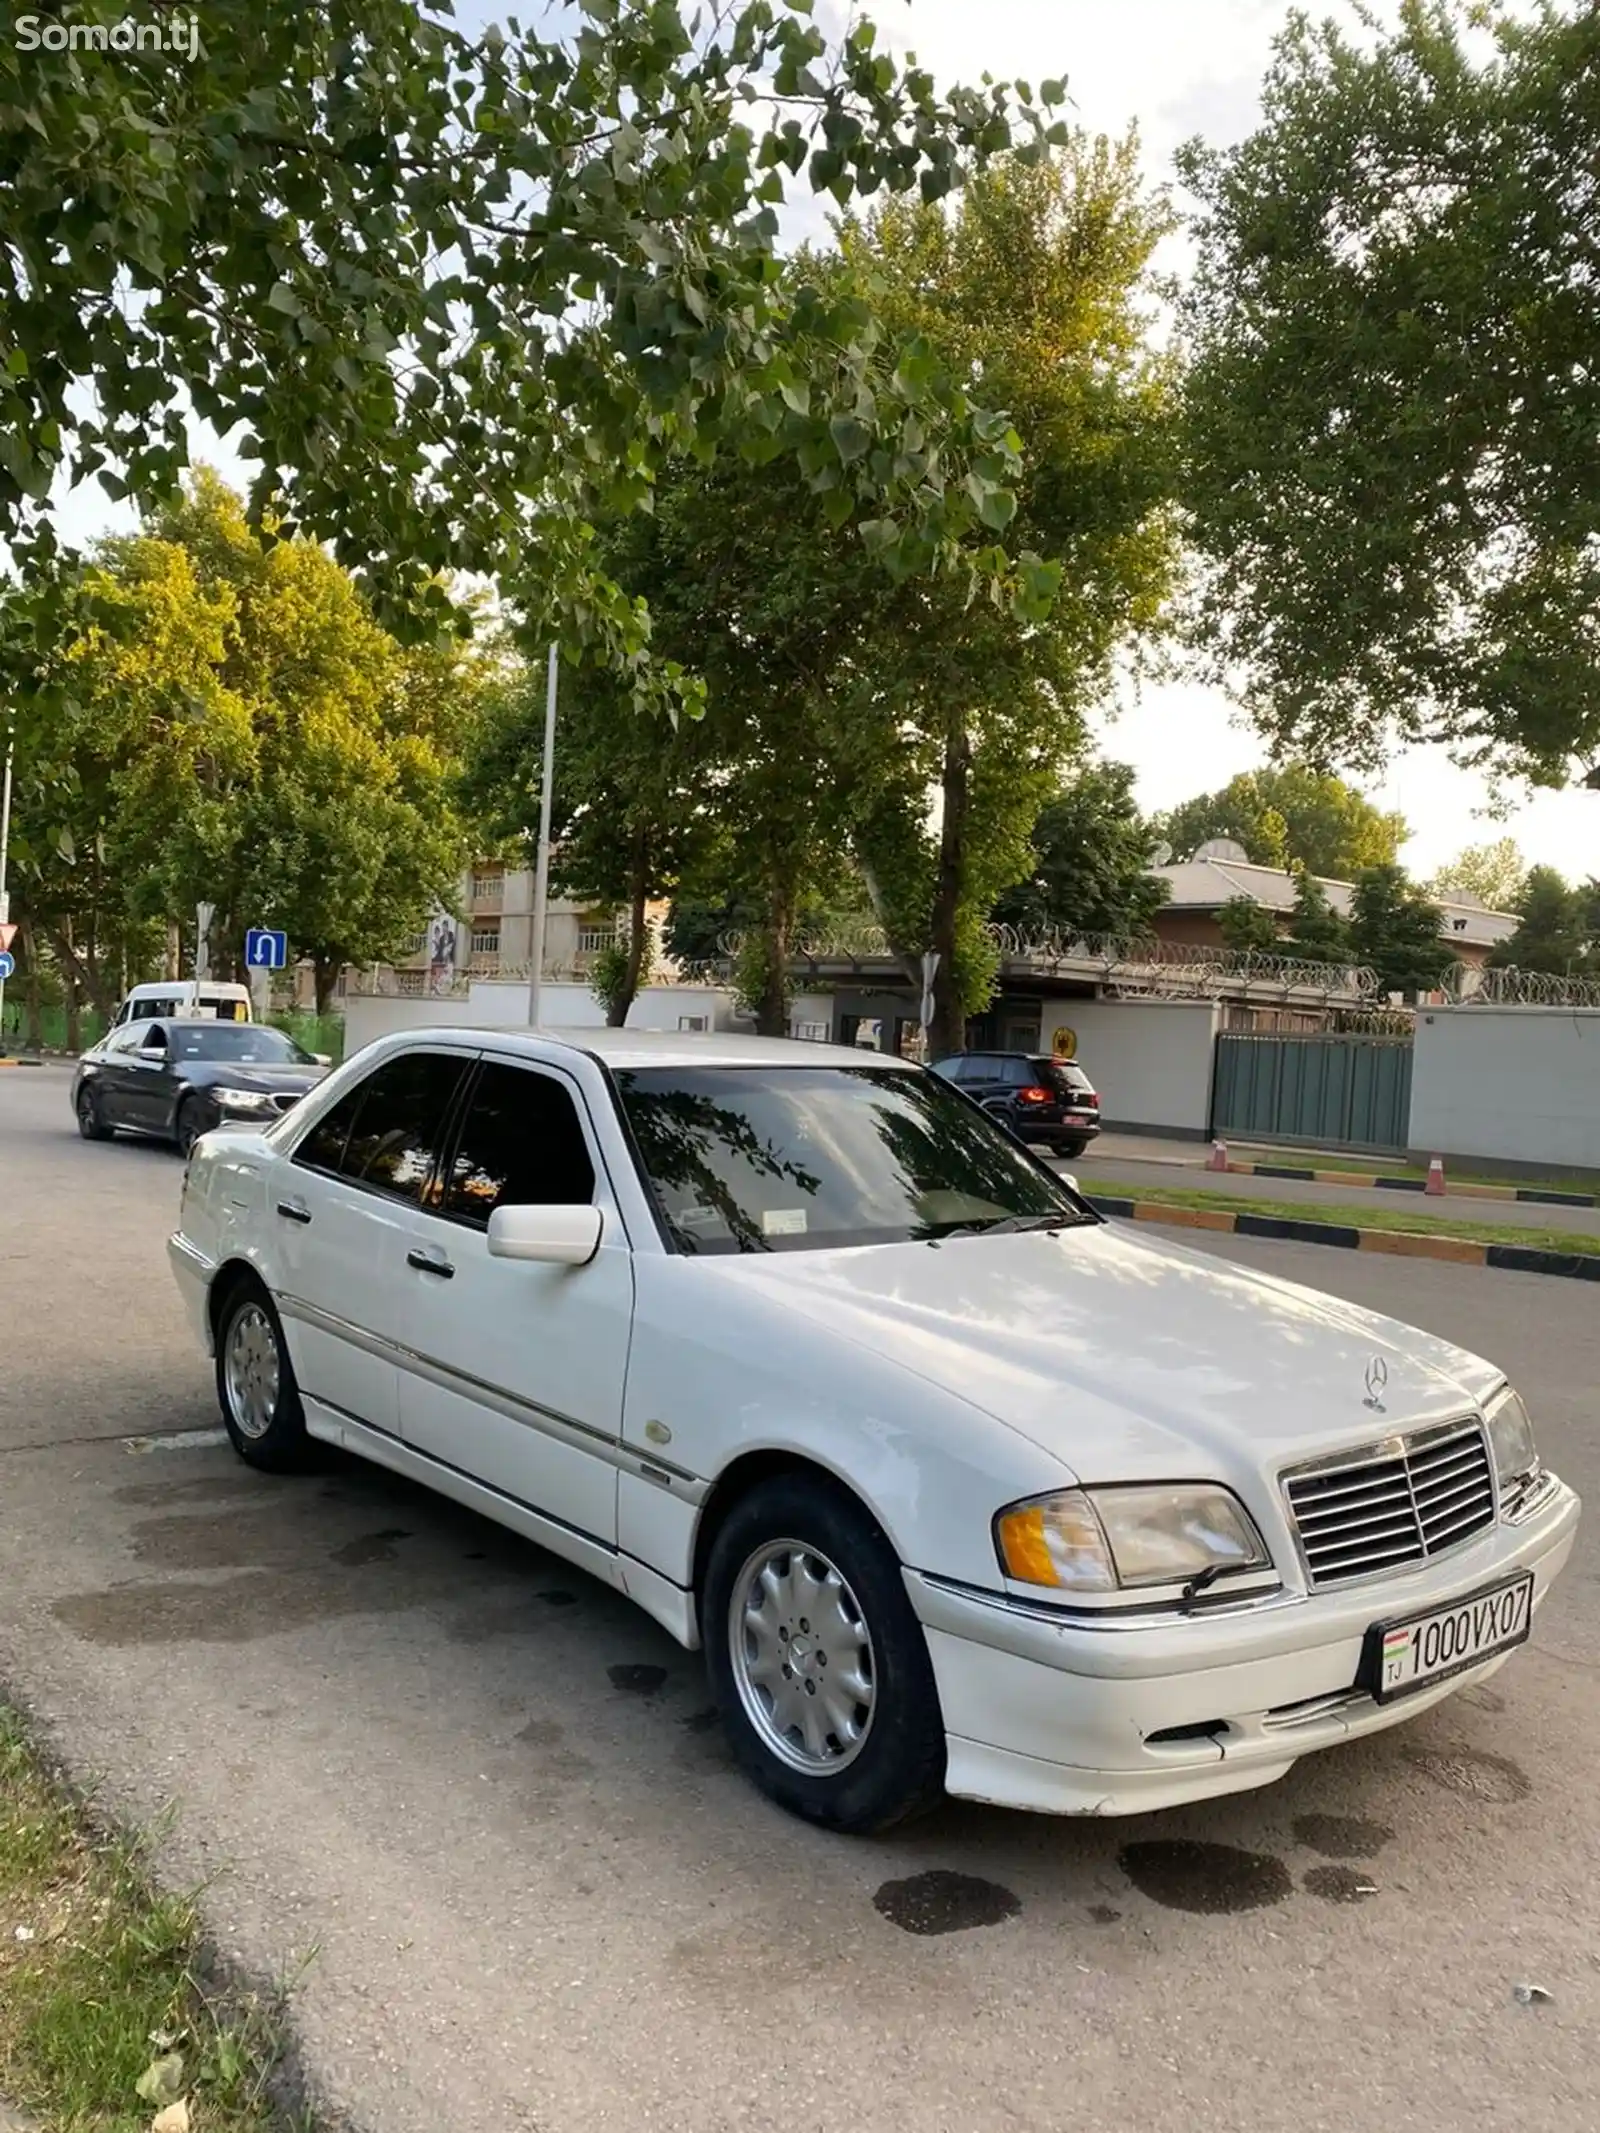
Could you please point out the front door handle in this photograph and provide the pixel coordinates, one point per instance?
(294, 1210)
(431, 1263)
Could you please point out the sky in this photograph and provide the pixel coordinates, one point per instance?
(1173, 68)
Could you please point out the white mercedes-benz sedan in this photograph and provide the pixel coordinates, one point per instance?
(959, 1487)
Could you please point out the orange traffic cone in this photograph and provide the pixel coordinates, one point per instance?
(1218, 1159)
(1435, 1184)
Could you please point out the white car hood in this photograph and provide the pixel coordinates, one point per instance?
(1127, 1358)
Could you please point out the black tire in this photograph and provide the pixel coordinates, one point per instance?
(1071, 1149)
(186, 1127)
(90, 1123)
(271, 1435)
(897, 1770)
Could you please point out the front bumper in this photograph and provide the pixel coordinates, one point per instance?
(192, 1271)
(1048, 1712)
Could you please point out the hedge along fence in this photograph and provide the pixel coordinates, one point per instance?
(315, 1033)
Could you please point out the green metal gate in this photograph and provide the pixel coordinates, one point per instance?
(1327, 1091)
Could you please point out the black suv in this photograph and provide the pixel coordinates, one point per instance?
(1049, 1100)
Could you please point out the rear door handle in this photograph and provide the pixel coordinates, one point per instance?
(294, 1210)
(431, 1263)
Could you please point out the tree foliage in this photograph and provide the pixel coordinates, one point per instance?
(1395, 929)
(1557, 926)
(1091, 861)
(1494, 873)
(468, 293)
(1289, 816)
(1317, 934)
(1247, 927)
(630, 822)
(1394, 412)
(242, 733)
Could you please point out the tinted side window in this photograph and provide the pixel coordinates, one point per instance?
(1016, 1073)
(979, 1067)
(387, 1133)
(520, 1145)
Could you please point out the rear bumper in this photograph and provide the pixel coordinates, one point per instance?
(1052, 1714)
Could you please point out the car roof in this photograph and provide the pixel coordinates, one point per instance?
(183, 989)
(659, 1048)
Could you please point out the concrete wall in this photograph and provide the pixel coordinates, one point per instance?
(1518, 1085)
(1150, 1060)
(496, 1005)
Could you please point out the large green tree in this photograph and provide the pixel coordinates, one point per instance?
(242, 733)
(1394, 409)
(1556, 927)
(1395, 929)
(1091, 861)
(630, 817)
(1287, 816)
(465, 293)
(1494, 873)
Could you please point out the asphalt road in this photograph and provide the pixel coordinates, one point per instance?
(478, 1798)
(1092, 1169)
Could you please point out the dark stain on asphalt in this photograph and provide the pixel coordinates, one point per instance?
(542, 1733)
(208, 1488)
(1337, 1884)
(1188, 1876)
(638, 1680)
(1471, 1774)
(235, 1540)
(557, 1598)
(705, 1721)
(1485, 1699)
(234, 1610)
(940, 1901)
(1103, 1914)
(1342, 1836)
(370, 1547)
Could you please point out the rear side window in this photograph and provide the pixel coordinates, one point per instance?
(520, 1145)
(1063, 1075)
(388, 1133)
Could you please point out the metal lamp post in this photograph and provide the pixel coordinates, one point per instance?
(541, 875)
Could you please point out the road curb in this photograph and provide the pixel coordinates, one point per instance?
(1404, 1244)
(1374, 1181)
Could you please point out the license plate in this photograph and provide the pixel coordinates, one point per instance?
(1408, 1655)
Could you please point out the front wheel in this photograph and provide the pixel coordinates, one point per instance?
(256, 1390)
(819, 1665)
(90, 1123)
(186, 1127)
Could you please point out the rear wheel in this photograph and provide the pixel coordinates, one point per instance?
(820, 1667)
(90, 1122)
(256, 1390)
(1073, 1146)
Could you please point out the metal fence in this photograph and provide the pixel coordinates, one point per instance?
(1325, 1091)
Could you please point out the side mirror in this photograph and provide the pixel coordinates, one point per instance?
(323, 1059)
(1070, 1182)
(556, 1236)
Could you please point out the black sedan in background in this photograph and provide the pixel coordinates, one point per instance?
(1048, 1100)
(175, 1079)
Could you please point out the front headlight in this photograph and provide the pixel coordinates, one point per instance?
(241, 1100)
(1105, 1540)
(1511, 1438)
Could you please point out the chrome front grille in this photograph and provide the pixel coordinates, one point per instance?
(1392, 1504)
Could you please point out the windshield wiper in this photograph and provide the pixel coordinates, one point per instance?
(1011, 1225)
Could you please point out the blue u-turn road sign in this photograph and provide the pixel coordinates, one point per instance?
(264, 950)
(8, 963)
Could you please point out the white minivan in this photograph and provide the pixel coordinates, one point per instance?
(168, 997)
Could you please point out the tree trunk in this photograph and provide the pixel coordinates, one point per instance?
(638, 940)
(172, 962)
(948, 1031)
(772, 1006)
(325, 971)
(67, 957)
(32, 994)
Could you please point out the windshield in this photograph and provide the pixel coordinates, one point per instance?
(764, 1159)
(247, 1043)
